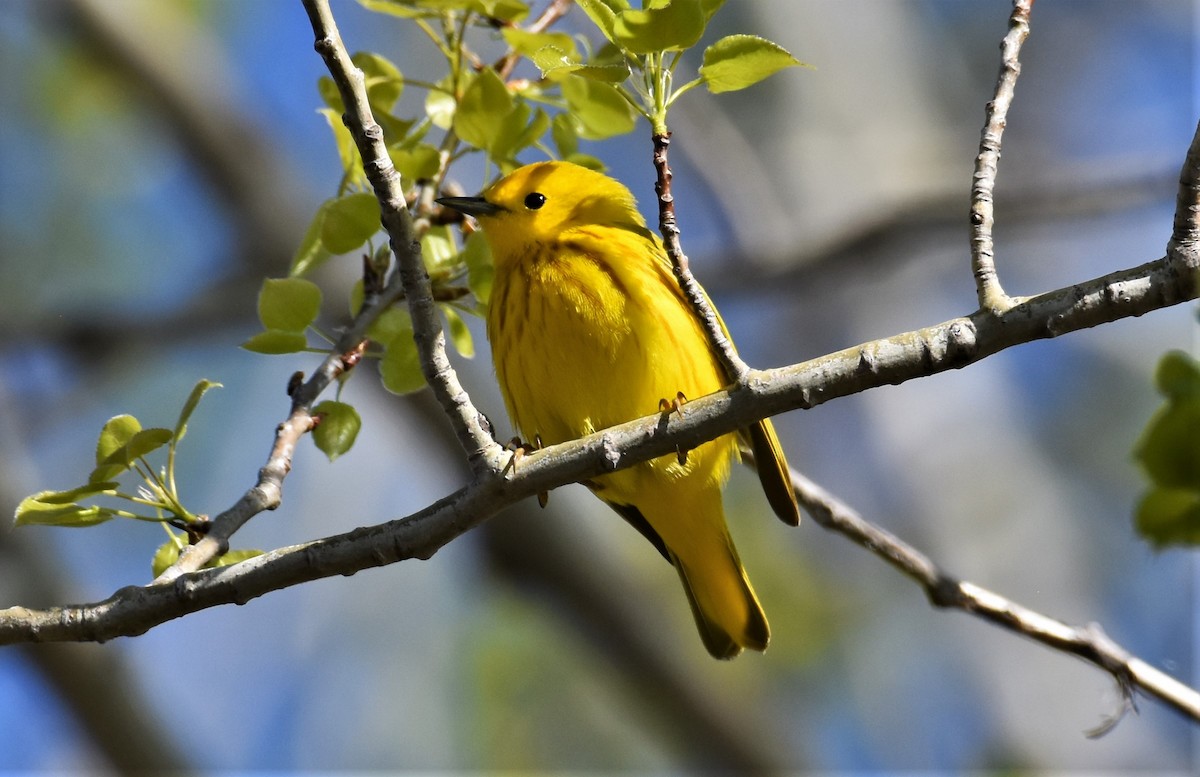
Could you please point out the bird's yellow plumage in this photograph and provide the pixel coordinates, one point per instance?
(589, 329)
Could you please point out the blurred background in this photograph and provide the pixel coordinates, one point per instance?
(159, 158)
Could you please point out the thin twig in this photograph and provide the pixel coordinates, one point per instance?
(736, 370)
(267, 492)
(1089, 643)
(983, 261)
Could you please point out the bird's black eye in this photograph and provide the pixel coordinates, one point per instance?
(535, 200)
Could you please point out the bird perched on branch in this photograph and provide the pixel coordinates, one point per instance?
(589, 328)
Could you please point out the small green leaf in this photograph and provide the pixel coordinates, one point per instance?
(384, 82)
(1169, 449)
(600, 108)
(507, 140)
(311, 253)
(144, 442)
(393, 322)
(738, 61)
(400, 367)
(104, 473)
(288, 304)
(275, 342)
(347, 150)
(32, 512)
(330, 95)
(166, 555)
(588, 161)
(440, 105)
(115, 435)
(1178, 375)
(603, 13)
(478, 258)
(349, 222)
(1169, 517)
(74, 494)
(416, 164)
(460, 335)
(527, 43)
(437, 246)
(672, 26)
(233, 557)
(338, 429)
(484, 104)
(505, 10)
(198, 391)
(565, 134)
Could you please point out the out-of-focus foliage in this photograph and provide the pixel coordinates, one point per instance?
(1169, 453)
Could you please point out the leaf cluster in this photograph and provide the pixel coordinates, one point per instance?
(123, 447)
(1169, 454)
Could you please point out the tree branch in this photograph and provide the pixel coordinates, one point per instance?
(987, 282)
(1089, 643)
(949, 345)
(735, 369)
(483, 453)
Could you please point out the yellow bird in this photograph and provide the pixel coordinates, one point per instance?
(589, 328)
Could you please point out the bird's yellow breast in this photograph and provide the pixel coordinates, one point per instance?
(589, 331)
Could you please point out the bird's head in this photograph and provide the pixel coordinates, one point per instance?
(542, 202)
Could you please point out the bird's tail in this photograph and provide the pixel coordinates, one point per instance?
(723, 602)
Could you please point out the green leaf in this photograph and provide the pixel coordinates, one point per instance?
(233, 557)
(1169, 517)
(288, 304)
(588, 161)
(33, 512)
(115, 435)
(1178, 375)
(416, 164)
(144, 442)
(672, 26)
(276, 341)
(601, 110)
(338, 429)
(312, 253)
(603, 14)
(1169, 449)
(504, 10)
(349, 222)
(166, 555)
(528, 43)
(460, 334)
(511, 130)
(478, 258)
(347, 150)
(383, 80)
(738, 61)
(437, 247)
(75, 494)
(400, 367)
(198, 391)
(393, 322)
(330, 95)
(440, 105)
(565, 133)
(484, 104)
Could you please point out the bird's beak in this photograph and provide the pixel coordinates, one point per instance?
(472, 206)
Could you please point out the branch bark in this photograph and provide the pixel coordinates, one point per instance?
(983, 259)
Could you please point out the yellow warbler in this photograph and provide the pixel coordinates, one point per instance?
(589, 328)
